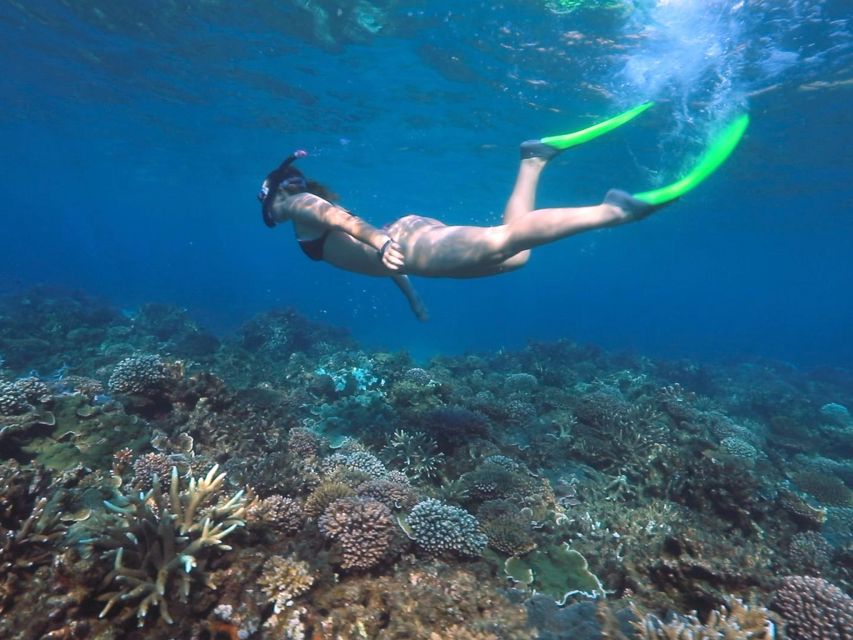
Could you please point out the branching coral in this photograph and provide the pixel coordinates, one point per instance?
(415, 452)
(161, 543)
(357, 461)
(363, 529)
(280, 512)
(814, 609)
(283, 580)
(139, 374)
(439, 528)
(738, 621)
(394, 495)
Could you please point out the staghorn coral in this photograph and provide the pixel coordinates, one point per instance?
(362, 528)
(284, 579)
(736, 621)
(31, 542)
(814, 609)
(30, 528)
(439, 528)
(161, 543)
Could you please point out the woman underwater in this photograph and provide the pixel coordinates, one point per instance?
(421, 246)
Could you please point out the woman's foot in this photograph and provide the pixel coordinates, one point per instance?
(538, 149)
(631, 207)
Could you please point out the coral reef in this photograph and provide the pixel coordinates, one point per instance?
(734, 621)
(362, 529)
(438, 528)
(140, 374)
(814, 609)
(556, 491)
(277, 511)
(284, 579)
(161, 543)
(415, 453)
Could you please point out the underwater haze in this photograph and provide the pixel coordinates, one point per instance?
(645, 434)
(136, 135)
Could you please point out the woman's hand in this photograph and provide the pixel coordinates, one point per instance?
(391, 255)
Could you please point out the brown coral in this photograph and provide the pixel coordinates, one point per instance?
(814, 609)
(362, 528)
(303, 443)
(809, 552)
(420, 601)
(394, 495)
(280, 512)
(149, 466)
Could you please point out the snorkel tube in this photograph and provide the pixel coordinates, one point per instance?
(283, 176)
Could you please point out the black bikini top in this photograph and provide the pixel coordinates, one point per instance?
(314, 248)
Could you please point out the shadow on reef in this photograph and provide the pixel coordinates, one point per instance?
(160, 482)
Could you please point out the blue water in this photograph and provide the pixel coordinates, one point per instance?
(135, 137)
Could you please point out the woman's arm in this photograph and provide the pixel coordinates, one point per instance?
(311, 209)
(412, 296)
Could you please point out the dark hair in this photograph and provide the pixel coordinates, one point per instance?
(293, 181)
(312, 186)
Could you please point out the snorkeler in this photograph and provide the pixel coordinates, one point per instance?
(421, 246)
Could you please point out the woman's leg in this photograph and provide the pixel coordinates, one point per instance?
(522, 200)
(542, 226)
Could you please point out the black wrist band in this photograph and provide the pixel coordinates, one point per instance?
(381, 253)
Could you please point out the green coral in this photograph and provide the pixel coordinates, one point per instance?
(416, 453)
(555, 570)
(162, 541)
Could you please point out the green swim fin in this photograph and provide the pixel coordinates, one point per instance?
(716, 154)
(550, 146)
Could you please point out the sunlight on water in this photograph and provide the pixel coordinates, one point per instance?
(707, 58)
